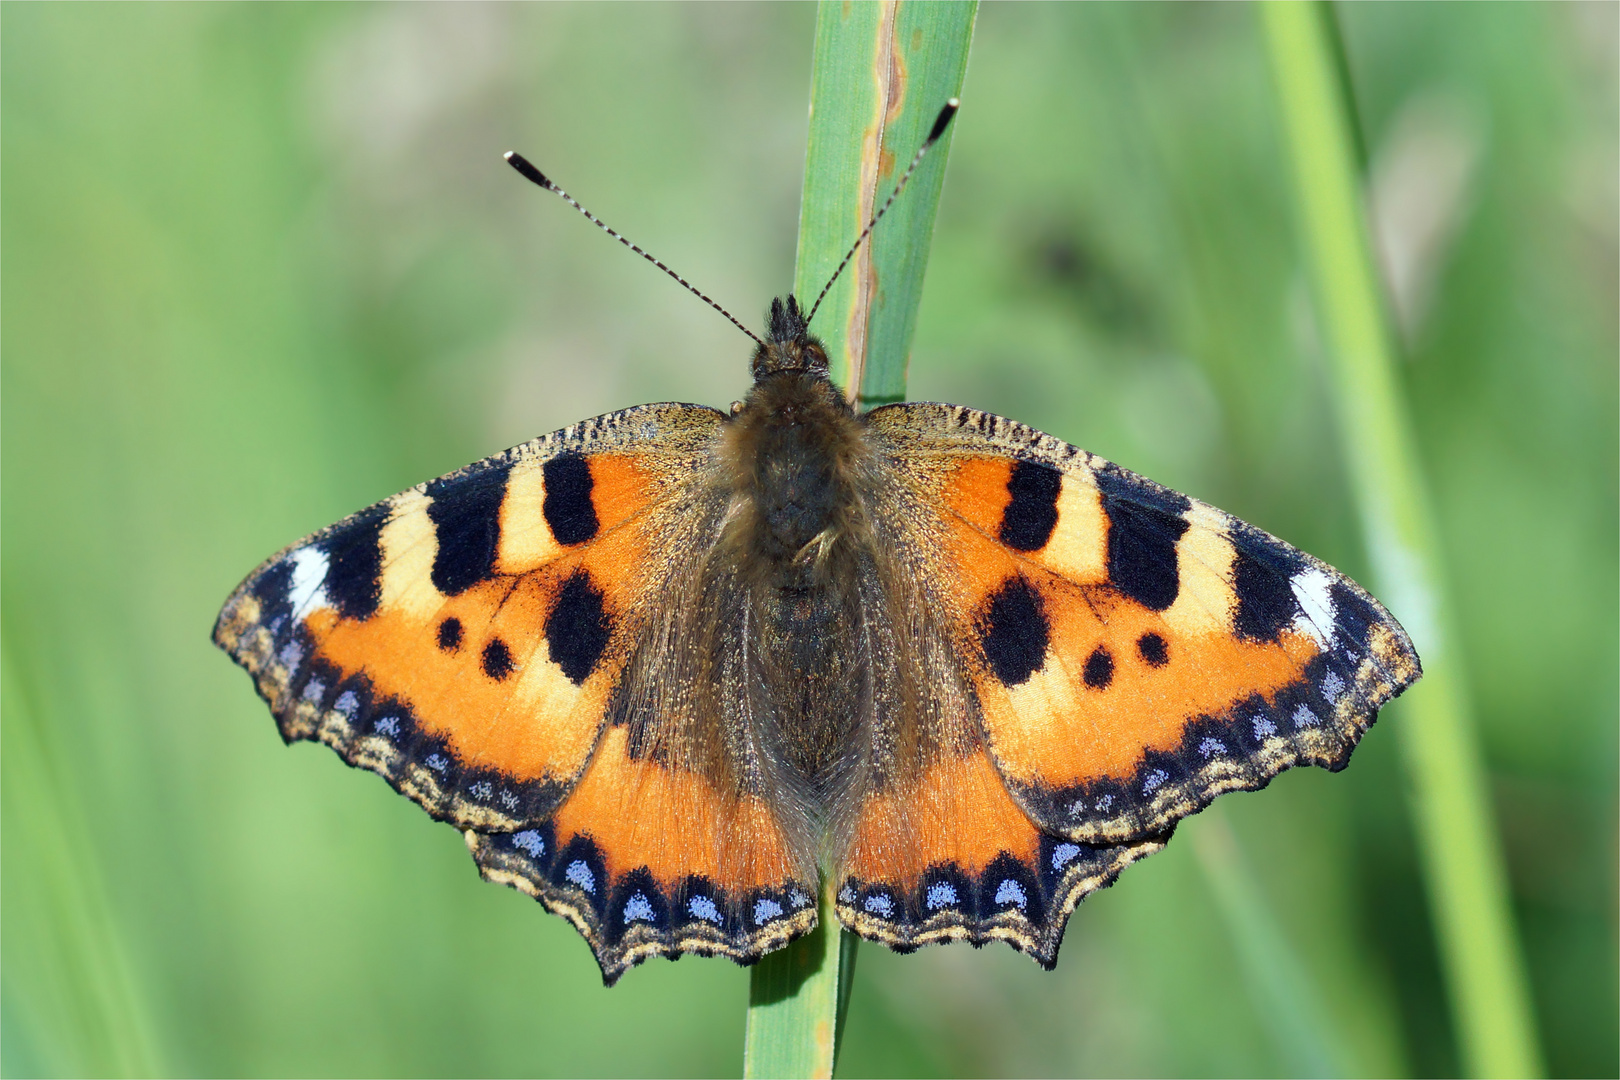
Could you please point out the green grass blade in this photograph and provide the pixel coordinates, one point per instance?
(1286, 1000)
(796, 1002)
(881, 73)
(75, 1006)
(1457, 835)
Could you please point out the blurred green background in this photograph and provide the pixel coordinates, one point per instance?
(262, 265)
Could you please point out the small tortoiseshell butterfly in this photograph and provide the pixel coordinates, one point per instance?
(670, 670)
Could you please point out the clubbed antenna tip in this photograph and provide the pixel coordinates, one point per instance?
(942, 121)
(526, 170)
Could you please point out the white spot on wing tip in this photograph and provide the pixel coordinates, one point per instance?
(307, 591)
(1314, 590)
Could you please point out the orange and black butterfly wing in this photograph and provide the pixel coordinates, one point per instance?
(1105, 657)
(469, 640)
(1133, 652)
(930, 844)
(673, 840)
(947, 854)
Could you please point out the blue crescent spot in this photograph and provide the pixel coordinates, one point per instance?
(638, 909)
(1010, 892)
(1332, 687)
(879, 904)
(703, 908)
(581, 875)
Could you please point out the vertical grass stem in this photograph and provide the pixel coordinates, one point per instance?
(1457, 833)
(880, 75)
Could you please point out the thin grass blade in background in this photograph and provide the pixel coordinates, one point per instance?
(1456, 828)
(881, 73)
(1286, 1000)
(71, 952)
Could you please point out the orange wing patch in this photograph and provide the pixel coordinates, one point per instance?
(949, 855)
(648, 860)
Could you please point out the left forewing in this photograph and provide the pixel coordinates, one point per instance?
(465, 638)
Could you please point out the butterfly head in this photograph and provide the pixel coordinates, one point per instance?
(790, 346)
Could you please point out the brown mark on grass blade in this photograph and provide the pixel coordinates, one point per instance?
(877, 164)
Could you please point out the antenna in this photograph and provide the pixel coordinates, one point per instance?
(535, 176)
(941, 122)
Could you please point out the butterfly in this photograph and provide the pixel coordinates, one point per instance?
(673, 671)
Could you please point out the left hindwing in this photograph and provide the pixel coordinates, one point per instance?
(1134, 652)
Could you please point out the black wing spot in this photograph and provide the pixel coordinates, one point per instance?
(450, 634)
(1099, 668)
(354, 563)
(466, 514)
(1144, 523)
(1261, 576)
(1031, 515)
(568, 507)
(1014, 632)
(1355, 616)
(1153, 649)
(578, 628)
(497, 660)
